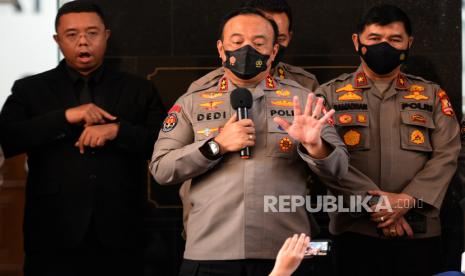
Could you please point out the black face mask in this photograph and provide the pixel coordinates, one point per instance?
(246, 62)
(279, 56)
(382, 58)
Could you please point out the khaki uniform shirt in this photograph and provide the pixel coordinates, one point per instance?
(227, 219)
(405, 140)
(281, 71)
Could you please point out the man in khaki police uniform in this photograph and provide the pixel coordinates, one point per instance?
(200, 140)
(403, 138)
(281, 13)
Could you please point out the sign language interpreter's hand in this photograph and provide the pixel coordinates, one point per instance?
(307, 126)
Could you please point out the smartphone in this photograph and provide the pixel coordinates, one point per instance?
(318, 248)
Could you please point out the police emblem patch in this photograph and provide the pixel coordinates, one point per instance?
(285, 144)
(352, 138)
(170, 122)
(417, 137)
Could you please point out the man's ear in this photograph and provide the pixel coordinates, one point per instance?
(410, 42)
(107, 34)
(355, 41)
(220, 48)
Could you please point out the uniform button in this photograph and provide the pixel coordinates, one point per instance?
(92, 152)
(92, 176)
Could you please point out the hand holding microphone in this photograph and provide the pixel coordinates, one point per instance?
(238, 134)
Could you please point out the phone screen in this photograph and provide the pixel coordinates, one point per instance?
(317, 248)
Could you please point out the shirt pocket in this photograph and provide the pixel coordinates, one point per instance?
(415, 131)
(278, 142)
(353, 128)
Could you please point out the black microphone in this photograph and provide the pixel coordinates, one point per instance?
(241, 101)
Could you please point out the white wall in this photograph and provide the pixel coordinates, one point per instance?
(26, 43)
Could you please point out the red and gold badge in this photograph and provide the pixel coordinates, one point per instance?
(345, 119)
(361, 118)
(360, 79)
(269, 82)
(170, 122)
(401, 82)
(417, 137)
(175, 108)
(285, 144)
(418, 118)
(445, 103)
(223, 85)
(352, 138)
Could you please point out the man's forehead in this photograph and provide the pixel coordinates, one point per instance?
(248, 25)
(80, 19)
(396, 27)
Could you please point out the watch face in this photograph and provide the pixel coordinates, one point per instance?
(215, 149)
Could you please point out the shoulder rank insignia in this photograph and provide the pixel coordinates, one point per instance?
(223, 85)
(349, 95)
(207, 131)
(285, 144)
(211, 105)
(212, 95)
(283, 93)
(283, 103)
(360, 79)
(416, 93)
(170, 122)
(269, 82)
(401, 82)
(352, 138)
(446, 107)
(417, 137)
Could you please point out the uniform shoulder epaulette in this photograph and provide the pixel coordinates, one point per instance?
(298, 70)
(417, 78)
(340, 78)
(207, 80)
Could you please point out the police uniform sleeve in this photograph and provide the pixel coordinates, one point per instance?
(176, 157)
(430, 184)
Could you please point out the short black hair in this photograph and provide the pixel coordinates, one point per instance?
(384, 15)
(79, 6)
(272, 6)
(248, 11)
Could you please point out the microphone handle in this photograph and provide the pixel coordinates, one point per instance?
(243, 113)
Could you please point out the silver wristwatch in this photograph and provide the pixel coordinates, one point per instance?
(214, 147)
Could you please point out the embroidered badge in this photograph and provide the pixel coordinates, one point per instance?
(345, 119)
(283, 103)
(223, 85)
(416, 91)
(401, 82)
(418, 118)
(270, 82)
(212, 95)
(283, 93)
(352, 138)
(285, 144)
(361, 118)
(211, 105)
(360, 79)
(417, 137)
(349, 95)
(170, 122)
(446, 107)
(207, 131)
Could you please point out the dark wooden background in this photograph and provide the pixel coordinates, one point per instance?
(173, 42)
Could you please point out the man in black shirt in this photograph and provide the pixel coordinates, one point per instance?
(88, 132)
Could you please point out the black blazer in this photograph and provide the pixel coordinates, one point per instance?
(67, 191)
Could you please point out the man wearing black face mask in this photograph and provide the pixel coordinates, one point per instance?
(403, 138)
(229, 229)
(280, 12)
